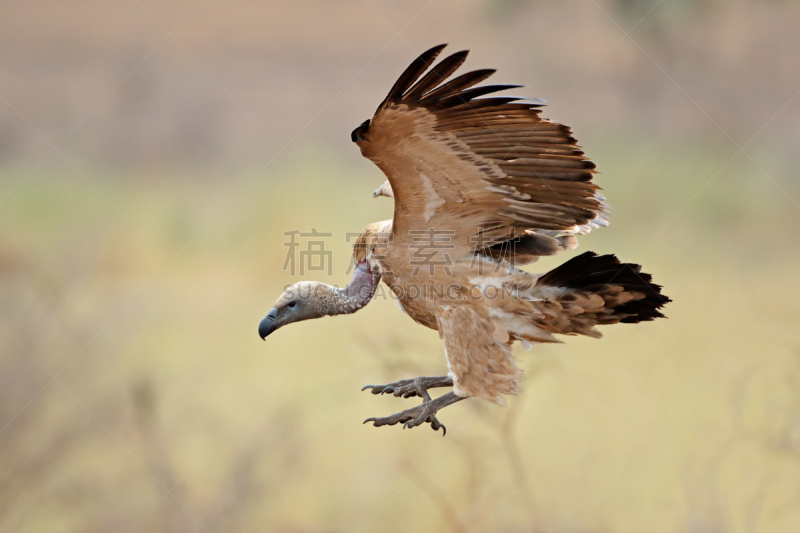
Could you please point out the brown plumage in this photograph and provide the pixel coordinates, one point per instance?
(480, 185)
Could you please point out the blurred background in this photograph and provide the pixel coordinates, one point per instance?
(152, 155)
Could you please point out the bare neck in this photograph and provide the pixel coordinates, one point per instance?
(355, 295)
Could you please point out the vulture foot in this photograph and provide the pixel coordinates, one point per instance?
(416, 416)
(408, 388)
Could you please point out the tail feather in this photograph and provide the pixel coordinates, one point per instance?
(628, 295)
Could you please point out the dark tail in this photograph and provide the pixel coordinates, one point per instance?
(629, 295)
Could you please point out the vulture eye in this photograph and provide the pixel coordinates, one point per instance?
(292, 305)
(358, 133)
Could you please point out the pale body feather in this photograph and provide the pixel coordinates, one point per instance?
(496, 305)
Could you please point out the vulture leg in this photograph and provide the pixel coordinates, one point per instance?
(416, 416)
(411, 387)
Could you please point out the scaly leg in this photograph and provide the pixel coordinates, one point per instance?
(411, 387)
(416, 416)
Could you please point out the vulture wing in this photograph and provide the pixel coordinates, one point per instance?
(477, 173)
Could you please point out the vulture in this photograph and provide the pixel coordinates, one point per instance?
(482, 185)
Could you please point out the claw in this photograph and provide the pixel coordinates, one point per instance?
(408, 388)
(388, 389)
(421, 414)
(435, 425)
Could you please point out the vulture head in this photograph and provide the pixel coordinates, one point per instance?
(301, 301)
(384, 190)
(314, 299)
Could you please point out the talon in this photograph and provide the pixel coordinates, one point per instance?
(365, 387)
(435, 425)
(409, 388)
(422, 413)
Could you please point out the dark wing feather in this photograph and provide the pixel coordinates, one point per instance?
(411, 74)
(437, 75)
(455, 86)
(463, 97)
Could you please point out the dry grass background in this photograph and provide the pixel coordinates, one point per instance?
(137, 259)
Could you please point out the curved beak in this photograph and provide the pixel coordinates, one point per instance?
(268, 325)
(377, 192)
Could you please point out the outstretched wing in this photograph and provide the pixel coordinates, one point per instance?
(477, 172)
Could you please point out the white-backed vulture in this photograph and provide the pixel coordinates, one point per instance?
(480, 185)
